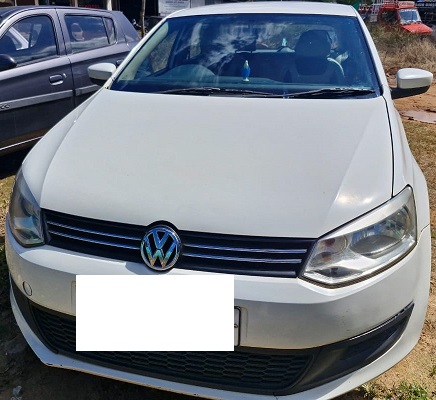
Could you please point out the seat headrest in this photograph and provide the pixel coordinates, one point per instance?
(315, 43)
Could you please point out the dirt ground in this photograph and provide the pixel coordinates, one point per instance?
(23, 377)
(423, 102)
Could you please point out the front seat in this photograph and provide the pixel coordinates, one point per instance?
(312, 62)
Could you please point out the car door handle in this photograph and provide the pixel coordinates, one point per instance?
(57, 79)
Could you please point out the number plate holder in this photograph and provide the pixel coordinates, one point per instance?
(237, 325)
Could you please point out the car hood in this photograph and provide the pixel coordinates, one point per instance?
(418, 28)
(266, 167)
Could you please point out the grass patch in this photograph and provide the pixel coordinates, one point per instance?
(422, 142)
(398, 49)
(411, 391)
(404, 391)
(5, 192)
(371, 390)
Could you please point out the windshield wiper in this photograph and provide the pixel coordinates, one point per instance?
(326, 93)
(332, 93)
(207, 91)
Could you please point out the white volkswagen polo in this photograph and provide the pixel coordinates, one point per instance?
(258, 140)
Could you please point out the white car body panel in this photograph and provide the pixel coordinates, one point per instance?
(254, 155)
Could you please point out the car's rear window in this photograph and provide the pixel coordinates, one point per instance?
(89, 32)
(266, 53)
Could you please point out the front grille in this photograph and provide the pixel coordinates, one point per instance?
(245, 370)
(235, 254)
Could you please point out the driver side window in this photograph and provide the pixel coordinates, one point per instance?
(30, 39)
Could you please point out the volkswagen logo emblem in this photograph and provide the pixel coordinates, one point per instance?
(160, 248)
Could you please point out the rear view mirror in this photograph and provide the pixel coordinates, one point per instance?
(6, 62)
(100, 73)
(411, 81)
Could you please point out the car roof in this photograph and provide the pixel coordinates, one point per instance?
(270, 7)
(6, 12)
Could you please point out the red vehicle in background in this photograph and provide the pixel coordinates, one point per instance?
(394, 13)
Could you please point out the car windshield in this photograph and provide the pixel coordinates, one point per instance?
(253, 55)
(409, 16)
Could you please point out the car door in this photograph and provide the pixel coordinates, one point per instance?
(38, 92)
(91, 37)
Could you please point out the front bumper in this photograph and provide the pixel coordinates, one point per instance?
(328, 341)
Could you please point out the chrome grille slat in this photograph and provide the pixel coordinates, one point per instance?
(93, 232)
(274, 251)
(247, 255)
(112, 244)
(244, 259)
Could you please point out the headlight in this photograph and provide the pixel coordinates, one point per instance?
(366, 246)
(25, 215)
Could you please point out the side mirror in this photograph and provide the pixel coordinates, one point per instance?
(100, 73)
(411, 81)
(6, 62)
